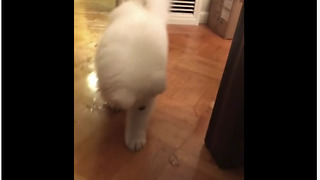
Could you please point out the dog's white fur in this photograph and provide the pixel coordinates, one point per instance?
(131, 63)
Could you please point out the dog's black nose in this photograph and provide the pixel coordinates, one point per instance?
(142, 108)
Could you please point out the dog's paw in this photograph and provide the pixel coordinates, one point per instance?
(136, 144)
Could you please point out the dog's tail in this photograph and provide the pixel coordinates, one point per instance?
(159, 7)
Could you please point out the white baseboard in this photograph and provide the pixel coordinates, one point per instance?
(182, 19)
(203, 17)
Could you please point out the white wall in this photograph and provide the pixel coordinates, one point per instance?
(204, 11)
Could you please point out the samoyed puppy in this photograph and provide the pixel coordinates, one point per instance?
(131, 62)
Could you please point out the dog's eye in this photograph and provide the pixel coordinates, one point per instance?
(142, 108)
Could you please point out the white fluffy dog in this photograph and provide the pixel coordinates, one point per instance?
(131, 63)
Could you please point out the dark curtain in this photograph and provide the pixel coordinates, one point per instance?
(225, 135)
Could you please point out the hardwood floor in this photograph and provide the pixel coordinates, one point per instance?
(175, 147)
